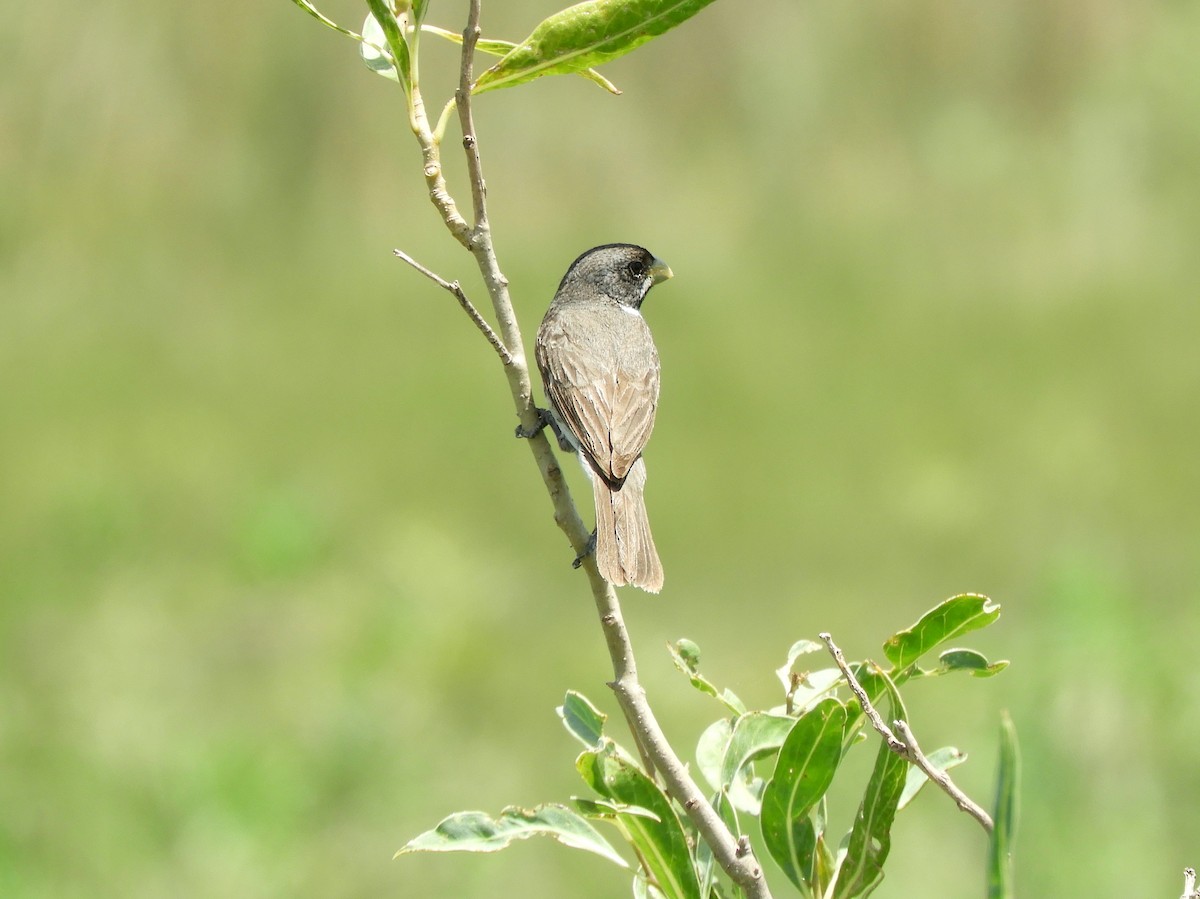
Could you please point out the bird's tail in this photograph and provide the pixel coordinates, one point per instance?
(625, 552)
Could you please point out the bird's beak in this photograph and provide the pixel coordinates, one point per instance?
(659, 271)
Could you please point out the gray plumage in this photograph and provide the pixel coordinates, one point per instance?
(600, 368)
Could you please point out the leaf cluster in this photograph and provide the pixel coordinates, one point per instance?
(769, 772)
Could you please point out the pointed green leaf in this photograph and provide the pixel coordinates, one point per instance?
(807, 761)
(586, 35)
(755, 735)
(942, 759)
(1004, 815)
(502, 48)
(478, 832)
(870, 839)
(582, 720)
(953, 618)
(968, 660)
(662, 845)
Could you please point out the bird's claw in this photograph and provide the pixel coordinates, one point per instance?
(588, 549)
(546, 418)
(543, 419)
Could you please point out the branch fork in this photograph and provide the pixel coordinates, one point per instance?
(905, 745)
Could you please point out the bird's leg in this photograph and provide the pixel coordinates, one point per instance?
(546, 417)
(588, 549)
(543, 418)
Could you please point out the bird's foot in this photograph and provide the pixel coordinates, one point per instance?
(588, 549)
(543, 418)
(546, 418)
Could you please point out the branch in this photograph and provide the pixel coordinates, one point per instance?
(906, 745)
(455, 288)
(734, 856)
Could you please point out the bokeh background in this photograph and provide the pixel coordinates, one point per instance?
(278, 590)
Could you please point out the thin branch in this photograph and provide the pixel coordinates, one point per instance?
(455, 288)
(941, 778)
(906, 745)
(896, 745)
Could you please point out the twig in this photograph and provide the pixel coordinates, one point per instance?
(906, 745)
(455, 288)
(896, 745)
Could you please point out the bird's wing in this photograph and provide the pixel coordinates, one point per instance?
(609, 408)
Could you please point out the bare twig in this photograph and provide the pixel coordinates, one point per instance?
(455, 288)
(896, 745)
(905, 745)
(941, 778)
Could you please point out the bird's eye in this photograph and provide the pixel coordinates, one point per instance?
(636, 269)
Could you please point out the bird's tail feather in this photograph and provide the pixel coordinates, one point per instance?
(625, 552)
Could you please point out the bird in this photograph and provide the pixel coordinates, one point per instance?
(600, 369)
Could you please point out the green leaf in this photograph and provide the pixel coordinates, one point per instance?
(478, 832)
(393, 33)
(586, 35)
(968, 660)
(807, 761)
(686, 656)
(1004, 815)
(755, 735)
(502, 48)
(953, 618)
(582, 720)
(373, 49)
(711, 748)
(661, 845)
(606, 811)
(942, 759)
(870, 840)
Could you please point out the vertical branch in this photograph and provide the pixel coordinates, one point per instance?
(734, 856)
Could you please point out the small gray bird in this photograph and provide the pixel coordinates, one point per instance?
(600, 368)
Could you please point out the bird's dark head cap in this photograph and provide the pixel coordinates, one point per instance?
(623, 272)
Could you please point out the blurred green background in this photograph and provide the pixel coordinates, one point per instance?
(278, 590)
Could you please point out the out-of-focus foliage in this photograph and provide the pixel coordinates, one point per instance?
(265, 538)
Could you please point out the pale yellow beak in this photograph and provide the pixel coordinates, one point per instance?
(660, 271)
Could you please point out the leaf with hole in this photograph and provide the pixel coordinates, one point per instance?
(952, 618)
(479, 832)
